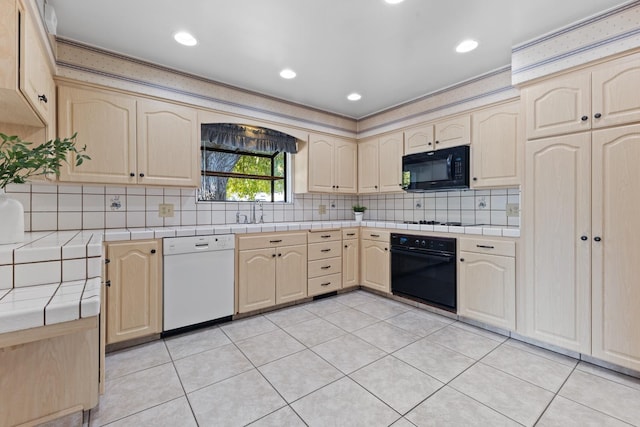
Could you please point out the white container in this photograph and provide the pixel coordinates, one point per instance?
(358, 216)
(11, 220)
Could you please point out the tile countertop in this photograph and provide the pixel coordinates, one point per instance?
(54, 276)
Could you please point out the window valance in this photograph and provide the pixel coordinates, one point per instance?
(241, 137)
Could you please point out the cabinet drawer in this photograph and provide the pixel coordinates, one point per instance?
(484, 246)
(325, 250)
(324, 236)
(350, 233)
(322, 267)
(260, 241)
(324, 284)
(377, 235)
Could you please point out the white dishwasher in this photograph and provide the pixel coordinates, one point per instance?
(198, 279)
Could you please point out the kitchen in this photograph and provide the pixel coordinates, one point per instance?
(128, 212)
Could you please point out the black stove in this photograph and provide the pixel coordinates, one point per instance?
(424, 222)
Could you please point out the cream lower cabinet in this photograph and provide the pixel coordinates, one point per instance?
(325, 261)
(495, 149)
(272, 269)
(350, 257)
(134, 290)
(131, 140)
(487, 282)
(375, 264)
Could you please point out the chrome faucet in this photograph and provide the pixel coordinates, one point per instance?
(254, 219)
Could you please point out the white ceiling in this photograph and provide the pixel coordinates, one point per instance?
(388, 53)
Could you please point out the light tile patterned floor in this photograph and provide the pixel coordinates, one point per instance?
(357, 359)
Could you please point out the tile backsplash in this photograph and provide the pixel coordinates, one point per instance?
(71, 207)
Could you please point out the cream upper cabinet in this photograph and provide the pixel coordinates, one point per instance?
(616, 93)
(130, 140)
(558, 106)
(556, 215)
(486, 286)
(497, 138)
(375, 265)
(256, 279)
(418, 140)
(106, 123)
(332, 165)
(368, 155)
(167, 144)
(615, 249)
(452, 132)
(380, 164)
(390, 167)
(27, 90)
(134, 293)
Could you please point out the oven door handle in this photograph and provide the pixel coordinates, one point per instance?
(423, 253)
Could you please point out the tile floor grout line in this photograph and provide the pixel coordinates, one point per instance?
(555, 395)
(186, 396)
(530, 351)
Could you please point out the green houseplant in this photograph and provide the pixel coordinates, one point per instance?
(20, 160)
(358, 212)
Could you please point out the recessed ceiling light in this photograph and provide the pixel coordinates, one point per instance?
(185, 38)
(287, 73)
(394, 1)
(466, 46)
(354, 96)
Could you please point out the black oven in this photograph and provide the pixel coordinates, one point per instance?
(424, 269)
(436, 170)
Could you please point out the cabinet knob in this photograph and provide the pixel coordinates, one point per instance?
(337, 186)
(584, 238)
(475, 178)
(346, 246)
(132, 174)
(461, 259)
(584, 118)
(273, 255)
(141, 175)
(107, 261)
(279, 254)
(386, 249)
(43, 98)
(437, 142)
(375, 186)
(153, 251)
(429, 143)
(333, 186)
(597, 115)
(597, 238)
(108, 283)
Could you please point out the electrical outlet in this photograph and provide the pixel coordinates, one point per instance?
(322, 209)
(513, 209)
(165, 210)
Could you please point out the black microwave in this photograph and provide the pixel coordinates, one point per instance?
(436, 170)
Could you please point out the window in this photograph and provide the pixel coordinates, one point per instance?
(242, 163)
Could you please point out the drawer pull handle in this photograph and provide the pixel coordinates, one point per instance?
(326, 267)
(326, 236)
(351, 234)
(325, 250)
(202, 245)
(325, 284)
(375, 235)
(485, 246)
(275, 241)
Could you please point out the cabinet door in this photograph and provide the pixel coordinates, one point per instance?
(616, 267)
(557, 207)
(321, 164)
(134, 299)
(376, 265)
(368, 166)
(558, 106)
(167, 144)
(390, 163)
(256, 279)
(616, 93)
(497, 138)
(453, 132)
(418, 140)
(350, 263)
(346, 164)
(106, 124)
(487, 289)
(291, 273)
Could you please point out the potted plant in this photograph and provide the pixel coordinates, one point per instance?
(18, 162)
(358, 211)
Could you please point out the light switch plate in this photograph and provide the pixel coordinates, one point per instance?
(165, 210)
(513, 209)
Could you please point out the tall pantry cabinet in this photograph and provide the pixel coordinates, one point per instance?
(581, 197)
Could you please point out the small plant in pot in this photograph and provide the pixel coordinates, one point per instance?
(358, 211)
(18, 162)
